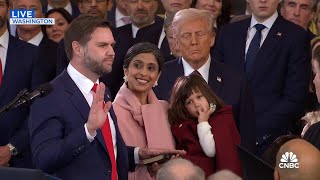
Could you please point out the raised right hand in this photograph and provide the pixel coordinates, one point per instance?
(99, 110)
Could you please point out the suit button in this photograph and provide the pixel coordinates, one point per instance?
(108, 172)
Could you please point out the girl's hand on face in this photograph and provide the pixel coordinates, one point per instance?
(204, 113)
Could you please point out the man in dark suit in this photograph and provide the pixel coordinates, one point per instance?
(195, 37)
(66, 4)
(70, 139)
(17, 60)
(300, 12)
(118, 15)
(278, 72)
(32, 34)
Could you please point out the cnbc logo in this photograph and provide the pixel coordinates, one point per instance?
(289, 160)
(26, 17)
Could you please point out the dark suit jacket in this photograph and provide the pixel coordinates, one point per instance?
(232, 88)
(62, 59)
(46, 66)
(19, 73)
(281, 75)
(111, 16)
(58, 139)
(74, 7)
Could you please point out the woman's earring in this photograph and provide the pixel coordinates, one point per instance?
(155, 84)
(125, 78)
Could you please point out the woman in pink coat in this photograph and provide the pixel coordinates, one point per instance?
(142, 118)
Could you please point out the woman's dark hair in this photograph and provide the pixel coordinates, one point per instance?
(182, 89)
(224, 16)
(65, 14)
(143, 47)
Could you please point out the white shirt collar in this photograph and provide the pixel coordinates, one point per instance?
(84, 84)
(268, 23)
(4, 39)
(203, 70)
(135, 30)
(36, 39)
(118, 15)
(67, 8)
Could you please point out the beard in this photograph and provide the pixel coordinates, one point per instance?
(3, 21)
(95, 65)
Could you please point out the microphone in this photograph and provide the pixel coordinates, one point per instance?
(26, 97)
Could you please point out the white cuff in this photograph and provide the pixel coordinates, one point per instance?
(89, 137)
(136, 155)
(206, 139)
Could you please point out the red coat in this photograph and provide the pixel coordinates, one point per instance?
(226, 138)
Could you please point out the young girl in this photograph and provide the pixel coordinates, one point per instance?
(203, 126)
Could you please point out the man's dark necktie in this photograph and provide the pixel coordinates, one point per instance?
(253, 49)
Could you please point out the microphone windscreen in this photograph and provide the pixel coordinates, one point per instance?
(45, 89)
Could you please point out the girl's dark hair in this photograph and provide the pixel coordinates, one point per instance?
(65, 14)
(182, 89)
(143, 47)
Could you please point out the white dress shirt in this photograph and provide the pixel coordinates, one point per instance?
(4, 42)
(67, 8)
(118, 18)
(203, 70)
(85, 85)
(135, 30)
(36, 39)
(252, 30)
(161, 38)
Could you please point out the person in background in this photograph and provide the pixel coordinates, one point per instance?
(180, 169)
(142, 118)
(62, 20)
(300, 12)
(174, 51)
(118, 15)
(224, 175)
(308, 159)
(219, 9)
(274, 54)
(17, 72)
(270, 155)
(33, 34)
(203, 126)
(72, 9)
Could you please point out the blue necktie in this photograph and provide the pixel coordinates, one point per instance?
(253, 49)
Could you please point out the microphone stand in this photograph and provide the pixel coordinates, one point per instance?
(14, 101)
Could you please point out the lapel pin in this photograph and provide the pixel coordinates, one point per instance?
(180, 125)
(219, 79)
(108, 96)
(279, 34)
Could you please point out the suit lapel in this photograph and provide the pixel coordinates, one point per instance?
(215, 79)
(241, 43)
(10, 68)
(80, 103)
(175, 71)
